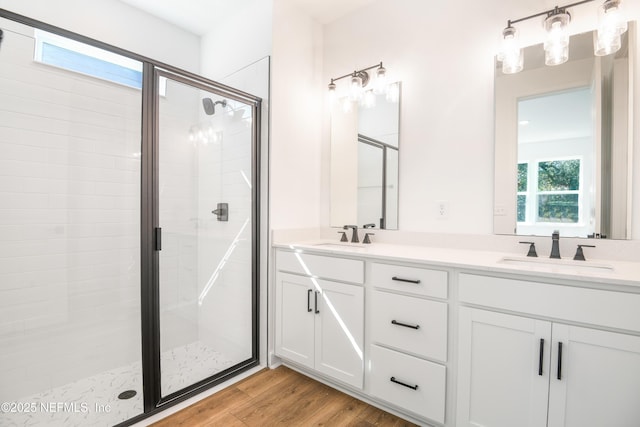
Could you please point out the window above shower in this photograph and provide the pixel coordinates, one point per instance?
(71, 55)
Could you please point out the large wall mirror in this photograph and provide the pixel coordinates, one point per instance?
(364, 161)
(563, 143)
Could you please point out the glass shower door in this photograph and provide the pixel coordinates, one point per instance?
(205, 212)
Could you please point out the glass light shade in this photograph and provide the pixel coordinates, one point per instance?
(511, 53)
(380, 84)
(355, 91)
(332, 93)
(606, 43)
(611, 24)
(347, 105)
(393, 92)
(369, 99)
(556, 46)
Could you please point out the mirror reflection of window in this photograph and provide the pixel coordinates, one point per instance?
(555, 163)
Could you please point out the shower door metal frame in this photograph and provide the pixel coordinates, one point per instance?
(153, 402)
(150, 170)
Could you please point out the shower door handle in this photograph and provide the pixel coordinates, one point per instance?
(222, 212)
(157, 239)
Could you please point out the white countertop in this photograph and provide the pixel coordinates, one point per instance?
(592, 271)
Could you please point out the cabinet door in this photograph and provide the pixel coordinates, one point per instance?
(340, 332)
(295, 318)
(499, 378)
(599, 383)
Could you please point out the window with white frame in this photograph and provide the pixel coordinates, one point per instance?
(549, 191)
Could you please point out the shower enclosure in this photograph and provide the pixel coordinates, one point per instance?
(129, 217)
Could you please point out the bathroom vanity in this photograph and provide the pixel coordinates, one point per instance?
(449, 337)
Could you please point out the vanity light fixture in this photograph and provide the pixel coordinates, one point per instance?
(358, 83)
(607, 40)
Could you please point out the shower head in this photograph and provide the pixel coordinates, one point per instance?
(210, 106)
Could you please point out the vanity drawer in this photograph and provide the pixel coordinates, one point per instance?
(341, 269)
(428, 397)
(410, 324)
(595, 306)
(419, 281)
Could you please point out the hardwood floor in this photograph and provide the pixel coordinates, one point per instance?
(282, 397)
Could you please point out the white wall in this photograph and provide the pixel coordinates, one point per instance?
(296, 119)
(444, 58)
(241, 38)
(118, 24)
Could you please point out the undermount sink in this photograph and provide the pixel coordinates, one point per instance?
(556, 265)
(345, 245)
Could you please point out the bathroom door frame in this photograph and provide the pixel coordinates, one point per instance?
(150, 327)
(151, 240)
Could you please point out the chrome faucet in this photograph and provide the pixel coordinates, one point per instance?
(555, 245)
(354, 236)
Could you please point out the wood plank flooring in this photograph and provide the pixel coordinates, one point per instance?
(281, 397)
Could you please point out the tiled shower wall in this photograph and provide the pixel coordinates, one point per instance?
(69, 223)
(224, 248)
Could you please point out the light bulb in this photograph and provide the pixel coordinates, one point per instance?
(611, 24)
(355, 91)
(556, 46)
(511, 53)
(381, 80)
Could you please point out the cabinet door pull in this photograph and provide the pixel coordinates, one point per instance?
(317, 311)
(309, 310)
(559, 360)
(400, 279)
(541, 356)
(395, 322)
(412, 387)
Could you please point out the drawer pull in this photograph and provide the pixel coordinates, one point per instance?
(541, 356)
(412, 387)
(559, 361)
(395, 322)
(400, 279)
(309, 310)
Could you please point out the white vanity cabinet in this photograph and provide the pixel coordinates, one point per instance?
(407, 321)
(320, 322)
(526, 370)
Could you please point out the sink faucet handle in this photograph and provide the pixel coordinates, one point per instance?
(344, 236)
(370, 225)
(532, 249)
(354, 236)
(580, 254)
(366, 237)
(555, 245)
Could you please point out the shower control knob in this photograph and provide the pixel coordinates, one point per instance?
(222, 212)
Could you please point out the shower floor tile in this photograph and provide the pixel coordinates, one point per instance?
(93, 401)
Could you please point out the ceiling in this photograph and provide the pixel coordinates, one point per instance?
(555, 116)
(199, 16)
